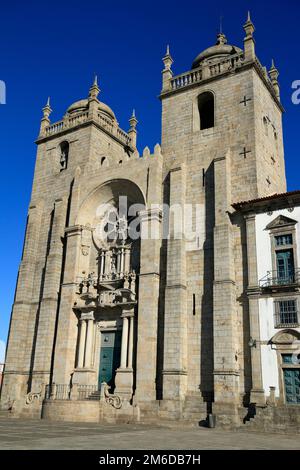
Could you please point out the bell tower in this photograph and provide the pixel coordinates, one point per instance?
(222, 143)
(228, 103)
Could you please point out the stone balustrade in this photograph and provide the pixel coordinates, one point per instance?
(186, 79)
(71, 392)
(71, 121)
(207, 71)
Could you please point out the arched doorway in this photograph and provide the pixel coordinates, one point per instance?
(108, 285)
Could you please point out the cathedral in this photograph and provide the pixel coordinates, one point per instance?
(163, 286)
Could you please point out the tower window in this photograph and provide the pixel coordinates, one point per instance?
(64, 155)
(206, 107)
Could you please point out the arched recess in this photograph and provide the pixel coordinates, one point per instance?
(64, 154)
(107, 294)
(206, 110)
(109, 192)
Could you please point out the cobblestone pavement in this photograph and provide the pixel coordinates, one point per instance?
(21, 434)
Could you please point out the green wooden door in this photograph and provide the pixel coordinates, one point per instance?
(292, 385)
(110, 353)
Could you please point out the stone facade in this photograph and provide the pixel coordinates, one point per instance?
(165, 320)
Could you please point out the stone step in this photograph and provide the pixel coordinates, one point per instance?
(278, 419)
(94, 396)
(5, 414)
(195, 409)
(194, 423)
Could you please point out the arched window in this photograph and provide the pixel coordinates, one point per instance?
(64, 155)
(206, 107)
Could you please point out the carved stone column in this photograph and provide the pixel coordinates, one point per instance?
(124, 375)
(124, 343)
(130, 344)
(85, 372)
(127, 260)
(82, 336)
(89, 343)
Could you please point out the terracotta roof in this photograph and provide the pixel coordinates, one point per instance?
(283, 196)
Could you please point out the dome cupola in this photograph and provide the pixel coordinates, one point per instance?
(214, 53)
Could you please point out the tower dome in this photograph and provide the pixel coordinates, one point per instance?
(214, 53)
(83, 105)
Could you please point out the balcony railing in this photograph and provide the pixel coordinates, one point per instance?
(58, 392)
(76, 392)
(286, 314)
(278, 279)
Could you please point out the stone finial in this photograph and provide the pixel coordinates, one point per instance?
(249, 26)
(249, 43)
(274, 74)
(45, 122)
(167, 59)
(167, 72)
(146, 152)
(47, 109)
(132, 131)
(221, 39)
(157, 149)
(93, 99)
(94, 90)
(133, 120)
(265, 73)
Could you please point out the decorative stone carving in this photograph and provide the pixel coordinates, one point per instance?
(113, 400)
(32, 396)
(86, 240)
(115, 284)
(280, 221)
(286, 337)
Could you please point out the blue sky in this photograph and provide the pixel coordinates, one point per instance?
(54, 48)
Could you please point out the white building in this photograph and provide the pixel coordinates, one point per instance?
(273, 258)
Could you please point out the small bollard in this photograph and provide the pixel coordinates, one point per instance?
(211, 420)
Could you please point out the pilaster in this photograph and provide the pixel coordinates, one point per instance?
(175, 329)
(226, 366)
(257, 391)
(15, 378)
(148, 302)
(124, 374)
(67, 330)
(50, 299)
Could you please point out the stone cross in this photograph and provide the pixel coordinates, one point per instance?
(244, 152)
(245, 100)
